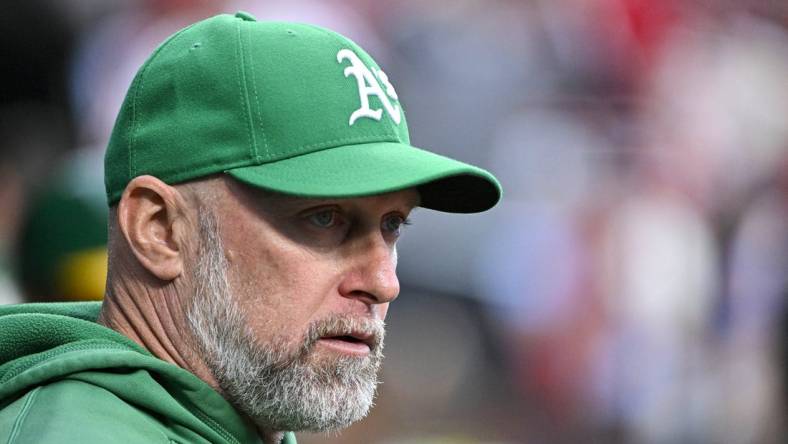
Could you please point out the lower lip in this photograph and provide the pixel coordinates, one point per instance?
(346, 347)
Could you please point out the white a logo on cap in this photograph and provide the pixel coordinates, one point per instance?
(369, 84)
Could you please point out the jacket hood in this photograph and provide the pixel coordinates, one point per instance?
(41, 343)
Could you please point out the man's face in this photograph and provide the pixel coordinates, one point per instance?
(290, 298)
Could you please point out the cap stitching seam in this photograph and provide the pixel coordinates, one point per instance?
(205, 170)
(133, 134)
(348, 139)
(244, 93)
(138, 91)
(210, 169)
(136, 119)
(258, 108)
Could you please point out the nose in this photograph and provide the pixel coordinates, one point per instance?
(372, 277)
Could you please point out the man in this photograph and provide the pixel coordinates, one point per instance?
(258, 176)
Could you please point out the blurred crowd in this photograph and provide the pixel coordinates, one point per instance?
(630, 288)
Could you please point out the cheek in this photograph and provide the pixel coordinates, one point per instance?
(281, 289)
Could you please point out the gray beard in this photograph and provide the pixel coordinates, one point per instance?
(279, 386)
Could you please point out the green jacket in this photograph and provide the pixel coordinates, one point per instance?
(66, 379)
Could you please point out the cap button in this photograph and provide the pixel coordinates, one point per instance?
(245, 16)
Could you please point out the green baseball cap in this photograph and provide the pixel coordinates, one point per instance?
(288, 107)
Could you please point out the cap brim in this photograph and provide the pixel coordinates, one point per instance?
(375, 168)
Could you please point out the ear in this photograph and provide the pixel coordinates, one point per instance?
(151, 218)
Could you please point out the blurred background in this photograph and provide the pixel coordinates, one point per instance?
(630, 288)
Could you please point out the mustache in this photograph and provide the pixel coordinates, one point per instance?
(343, 325)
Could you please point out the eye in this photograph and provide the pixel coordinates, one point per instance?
(323, 219)
(394, 223)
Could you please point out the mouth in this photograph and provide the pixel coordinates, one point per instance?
(353, 343)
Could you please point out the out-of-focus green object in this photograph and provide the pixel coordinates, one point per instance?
(62, 252)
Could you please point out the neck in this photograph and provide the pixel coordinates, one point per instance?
(153, 316)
